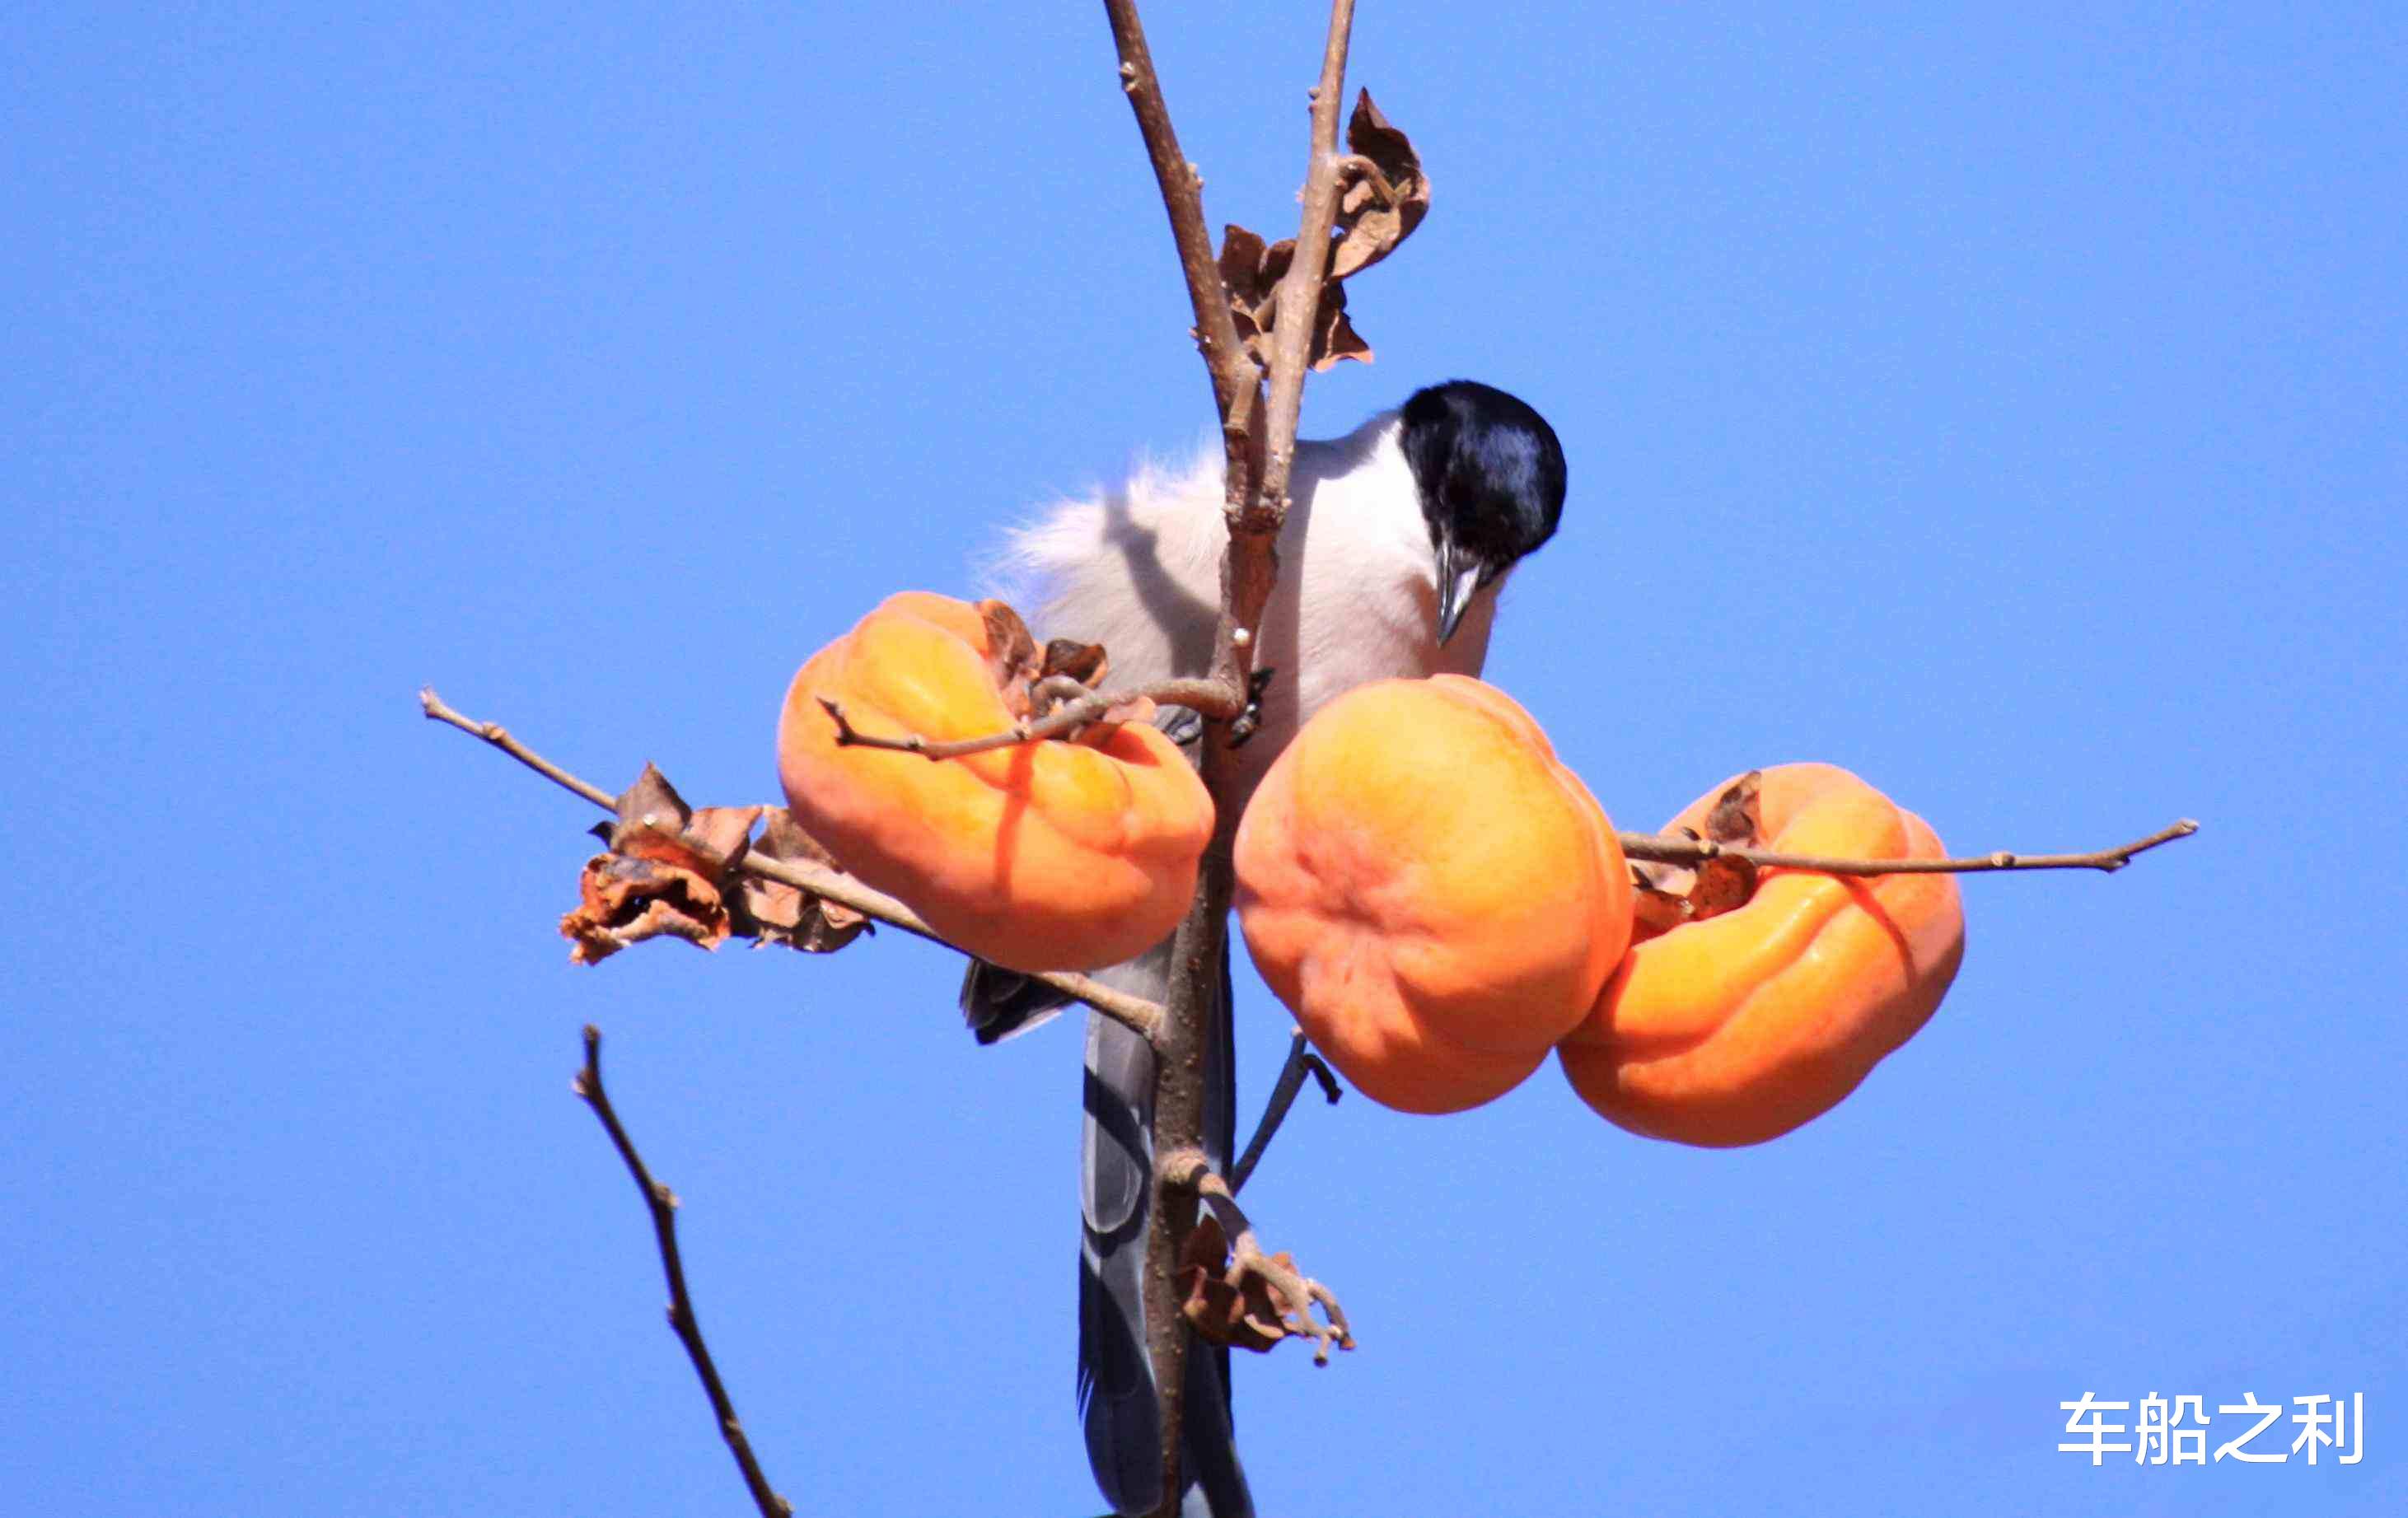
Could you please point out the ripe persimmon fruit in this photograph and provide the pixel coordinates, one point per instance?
(1736, 1028)
(1430, 892)
(1059, 853)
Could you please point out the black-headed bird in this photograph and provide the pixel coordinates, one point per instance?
(1395, 542)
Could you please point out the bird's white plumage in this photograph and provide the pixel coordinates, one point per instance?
(1138, 569)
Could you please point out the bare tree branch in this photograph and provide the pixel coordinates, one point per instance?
(1140, 1016)
(1249, 569)
(496, 735)
(1300, 292)
(662, 1204)
(1209, 698)
(1666, 849)
(1237, 386)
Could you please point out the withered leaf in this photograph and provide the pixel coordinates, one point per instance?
(652, 802)
(1011, 652)
(1244, 1313)
(1252, 288)
(1723, 884)
(1373, 217)
(1253, 273)
(777, 912)
(666, 873)
(624, 900)
(1242, 265)
(1738, 817)
(1085, 663)
(1334, 337)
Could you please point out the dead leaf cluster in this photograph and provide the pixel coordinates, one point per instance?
(1667, 895)
(674, 870)
(1234, 1300)
(1387, 195)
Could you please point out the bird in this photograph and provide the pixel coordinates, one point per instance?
(1397, 541)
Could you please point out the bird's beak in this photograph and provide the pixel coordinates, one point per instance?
(1458, 582)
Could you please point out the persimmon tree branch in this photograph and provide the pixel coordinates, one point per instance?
(1300, 292)
(1237, 386)
(1205, 696)
(1666, 849)
(1140, 1016)
(662, 1204)
(1255, 504)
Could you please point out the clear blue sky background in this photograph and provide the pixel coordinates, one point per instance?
(2005, 403)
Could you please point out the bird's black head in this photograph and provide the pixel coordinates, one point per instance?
(1491, 477)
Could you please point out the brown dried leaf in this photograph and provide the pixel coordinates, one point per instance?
(1334, 337)
(1723, 884)
(1738, 817)
(1013, 654)
(777, 912)
(1374, 219)
(1233, 1301)
(725, 832)
(1253, 273)
(624, 900)
(652, 802)
(1241, 266)
(1085, 663)
(1242, 1313)
(666, 872)
(1253, 287)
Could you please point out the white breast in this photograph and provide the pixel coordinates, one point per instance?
(1139, 570)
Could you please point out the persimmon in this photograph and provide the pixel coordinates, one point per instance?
(1736, 1028)
(1430, 892)
(1059, 853)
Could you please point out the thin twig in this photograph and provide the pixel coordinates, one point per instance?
(1207, 696)
(662, 1204)
(1662, 848)
(496, 735)
(1138, 1014)
(1188, 1169)
(1299, 291)
(1301, 1061)
(1237, 385)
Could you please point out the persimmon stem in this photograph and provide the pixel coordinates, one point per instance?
(662, 1204)
(1667, 849)
(1137, 1013)
(1188, 1169)
(1301, 1062)
(1207, 696)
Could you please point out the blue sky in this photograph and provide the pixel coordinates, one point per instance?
(2002, 402)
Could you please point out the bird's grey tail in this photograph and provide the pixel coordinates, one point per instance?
(1116, 1388)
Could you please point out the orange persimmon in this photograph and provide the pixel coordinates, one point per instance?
(1047, 855)
(1430, 891)
(1736, 1028)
